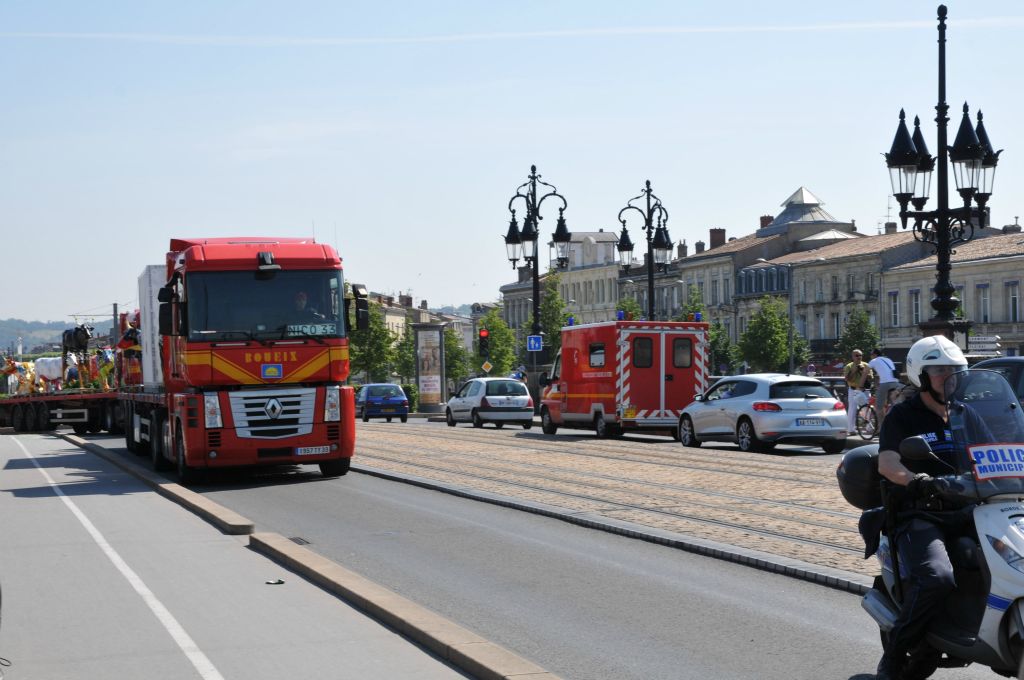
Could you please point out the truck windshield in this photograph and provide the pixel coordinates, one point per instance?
(245, 305)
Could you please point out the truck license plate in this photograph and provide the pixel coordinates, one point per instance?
(312, 450)
(810, 422)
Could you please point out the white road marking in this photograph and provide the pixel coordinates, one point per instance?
(199, 660)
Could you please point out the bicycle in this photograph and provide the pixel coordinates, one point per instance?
(867, 418)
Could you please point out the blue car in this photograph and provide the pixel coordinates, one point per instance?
(382, 400)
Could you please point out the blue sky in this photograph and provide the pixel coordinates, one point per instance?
(398, 131)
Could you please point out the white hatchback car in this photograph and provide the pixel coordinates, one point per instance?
(759, 410)
(491, 400)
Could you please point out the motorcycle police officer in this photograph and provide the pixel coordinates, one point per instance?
(923, 560)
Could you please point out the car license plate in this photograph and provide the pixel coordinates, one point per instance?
(312, 450)
(387, 410)
(810, 422)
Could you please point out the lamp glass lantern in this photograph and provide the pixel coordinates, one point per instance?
(966, 156)
(561, 238)
(512, 240)
(925, 167)
(529, 238)
(625, 248)
(662, 245)
(902, 161)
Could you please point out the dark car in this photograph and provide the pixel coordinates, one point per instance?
(382, 400)
(1012, 369)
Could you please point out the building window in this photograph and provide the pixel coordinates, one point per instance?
(851, 284)
(1013, 301)
(894, 310)
(819, 291)
(714, 292)
(802, 325)
(836, 329)
(915, 307)
(725, 291)
(872, 284)
(803, 291)
(835, 289)
(983, 303)
(821, 325)
(961, 311)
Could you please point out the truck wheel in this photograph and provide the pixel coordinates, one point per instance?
(600, 427)
(547, 425)
(157, 443)
(117, 417)
(476, 419)
(18, 419)
(43, 417)
(186, 474)
(746, 437)
(129, 429)
(107, 419)
(80, 428)
(335, 468)
(687, 437)
(30, 418)
(95, 423)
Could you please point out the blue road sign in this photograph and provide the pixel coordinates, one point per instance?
(534, 343)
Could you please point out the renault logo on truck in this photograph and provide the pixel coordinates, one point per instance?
(273, 409)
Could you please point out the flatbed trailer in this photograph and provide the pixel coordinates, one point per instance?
(84, 410)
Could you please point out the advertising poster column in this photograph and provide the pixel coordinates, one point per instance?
(430, 367)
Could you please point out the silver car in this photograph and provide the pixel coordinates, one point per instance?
(757, 411)
(491, 400)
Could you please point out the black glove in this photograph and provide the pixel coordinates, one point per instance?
(923, 486)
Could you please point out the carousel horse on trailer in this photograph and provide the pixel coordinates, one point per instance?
(75, 341)
(23, 371)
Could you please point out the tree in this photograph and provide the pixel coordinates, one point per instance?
(552, 313)
(405, 354)
(765, 343)
(858, 333)
(456, 357)
(372, 349)
(630, 307)
(720, 348)
(694, 305)
(502, 343)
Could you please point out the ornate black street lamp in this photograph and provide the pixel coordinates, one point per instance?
(524, 243)
(659, 245)
(910, 169)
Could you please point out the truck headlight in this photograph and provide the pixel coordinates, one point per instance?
(332, 404)
(211, 408)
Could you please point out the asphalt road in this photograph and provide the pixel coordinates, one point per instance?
(103, 578)
(581, 603)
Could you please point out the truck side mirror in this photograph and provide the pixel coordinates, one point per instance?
(362, 314)
(166, 326)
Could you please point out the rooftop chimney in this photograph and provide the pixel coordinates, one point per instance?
(405, 300)
(423, 304)
(717, 237)
(699, 247)
(890, 227)
(853, 223)
(766, 220)
(682, 248)
(1012, 228)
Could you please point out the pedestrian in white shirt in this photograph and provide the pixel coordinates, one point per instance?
(885, 380)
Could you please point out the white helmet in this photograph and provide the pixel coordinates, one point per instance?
(934, 350)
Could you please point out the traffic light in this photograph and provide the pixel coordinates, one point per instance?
(483, 336)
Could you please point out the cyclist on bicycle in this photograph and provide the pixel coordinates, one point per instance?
(885, 380)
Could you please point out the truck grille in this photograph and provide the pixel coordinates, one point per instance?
(272, 414)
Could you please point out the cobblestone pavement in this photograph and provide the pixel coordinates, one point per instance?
(785, 503)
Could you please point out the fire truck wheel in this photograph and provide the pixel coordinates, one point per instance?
(335, 468)
(449, 419)
(157, 442)
(18, 419)
(600, 427)
(547, 426)
(746, 437)
(80, 428)
(687, 437)
(186, 474)
(476, 419)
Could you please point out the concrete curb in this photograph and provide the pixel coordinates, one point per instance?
(463, 649)
(460, 647)
(831, 578)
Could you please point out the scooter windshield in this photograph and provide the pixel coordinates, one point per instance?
(987, 425)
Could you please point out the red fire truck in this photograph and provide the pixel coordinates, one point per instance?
(616, 376)
(244, 348)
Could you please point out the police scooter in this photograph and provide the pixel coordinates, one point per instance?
(982, 620)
